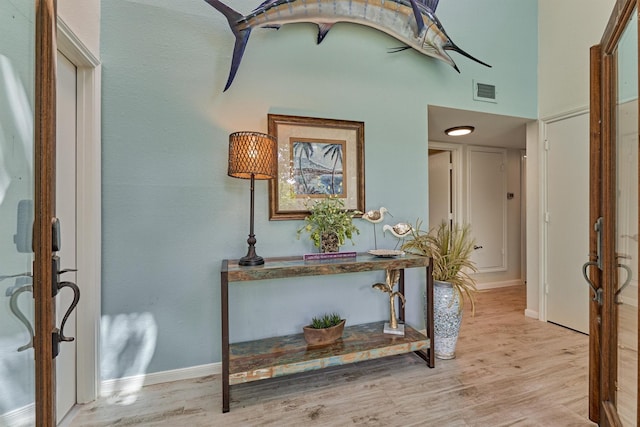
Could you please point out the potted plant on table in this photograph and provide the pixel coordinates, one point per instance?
(450, 247)
(324, 329)
(330, 224)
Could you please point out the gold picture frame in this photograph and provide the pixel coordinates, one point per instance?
(316, 157)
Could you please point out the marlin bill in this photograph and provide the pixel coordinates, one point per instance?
(412, 22)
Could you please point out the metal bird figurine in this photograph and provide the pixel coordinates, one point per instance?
(375, 216)
(400, 231)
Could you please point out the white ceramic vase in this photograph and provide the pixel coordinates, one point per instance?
(447, 319)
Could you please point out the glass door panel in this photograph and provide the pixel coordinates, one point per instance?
(17, 70)
(627, 223)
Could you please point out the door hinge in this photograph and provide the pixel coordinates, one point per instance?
(546, 145)
(547, 217)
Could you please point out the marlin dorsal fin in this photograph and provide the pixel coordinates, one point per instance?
(323, 29)
(431, 4)
(418, 14)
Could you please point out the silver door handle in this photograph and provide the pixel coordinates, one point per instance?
(627, 280)
(597, 293)
(13, 305)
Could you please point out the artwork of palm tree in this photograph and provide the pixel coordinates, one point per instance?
(318, 166)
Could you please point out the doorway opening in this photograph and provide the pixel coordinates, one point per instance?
(480, 179)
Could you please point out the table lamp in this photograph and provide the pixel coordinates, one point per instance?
(252, 155)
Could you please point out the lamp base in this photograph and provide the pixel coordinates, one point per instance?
(251, 260)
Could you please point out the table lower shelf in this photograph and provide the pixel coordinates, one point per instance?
(278, 356)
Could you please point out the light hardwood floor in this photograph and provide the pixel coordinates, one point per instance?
(509, 371)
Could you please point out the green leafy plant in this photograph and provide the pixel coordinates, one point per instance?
(451, 248)
(329, 215)
(325, 321)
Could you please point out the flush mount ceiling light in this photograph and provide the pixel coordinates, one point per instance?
(459, 130)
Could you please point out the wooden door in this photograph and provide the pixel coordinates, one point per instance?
(613, 259)
(44, 211)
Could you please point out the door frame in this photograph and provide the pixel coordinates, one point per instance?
(47, 24)
(44, 210)
(603, 318)
(88, 193)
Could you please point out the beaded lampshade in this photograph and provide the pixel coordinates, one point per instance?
(252, 154)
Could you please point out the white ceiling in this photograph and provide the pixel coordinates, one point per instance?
(491, 130)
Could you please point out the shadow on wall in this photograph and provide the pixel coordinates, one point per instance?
(127, 346)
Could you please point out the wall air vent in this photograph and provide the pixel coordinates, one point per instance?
(484, 92)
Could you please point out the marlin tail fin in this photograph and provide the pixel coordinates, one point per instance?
(242, 36)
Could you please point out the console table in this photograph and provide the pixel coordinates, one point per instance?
(277, 356)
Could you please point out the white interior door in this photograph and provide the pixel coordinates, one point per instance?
(66, 211)
(439, 187)
(487, 208)
(567, 219)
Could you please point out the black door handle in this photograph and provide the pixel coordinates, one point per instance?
(74, 303)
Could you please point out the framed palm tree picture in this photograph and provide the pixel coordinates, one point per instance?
(316, 158)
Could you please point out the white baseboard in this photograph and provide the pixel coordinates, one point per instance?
(531, 313)
(504, 284)
(24, 416)
(134, 383)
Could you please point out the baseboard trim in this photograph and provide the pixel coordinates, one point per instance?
(531, 313)
(19, 417)
(504, 284)
(134, 383)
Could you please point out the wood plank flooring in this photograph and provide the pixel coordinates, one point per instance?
(509, 371)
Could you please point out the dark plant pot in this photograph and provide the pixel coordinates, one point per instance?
(329, 243)
(323, 336)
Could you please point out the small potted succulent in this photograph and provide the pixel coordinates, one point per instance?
(324, 329)
(330, 224)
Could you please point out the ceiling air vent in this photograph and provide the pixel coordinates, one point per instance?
(484, 92)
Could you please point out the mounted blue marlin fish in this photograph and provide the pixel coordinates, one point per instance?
(413, 22)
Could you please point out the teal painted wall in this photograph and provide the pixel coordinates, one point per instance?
(171, 214)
